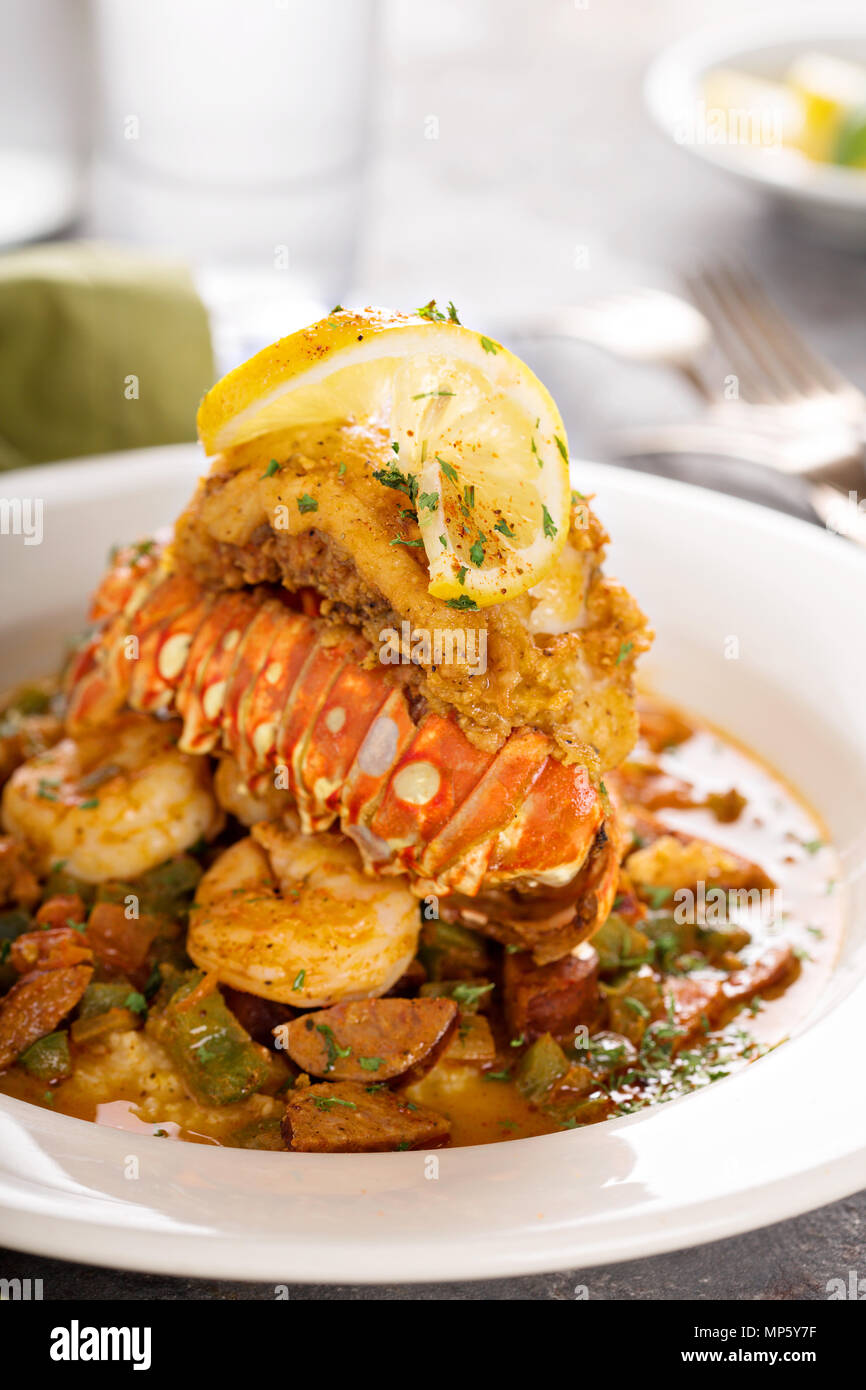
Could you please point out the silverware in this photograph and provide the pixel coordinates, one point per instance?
(638, 325)
(779, 404)
(777, 384)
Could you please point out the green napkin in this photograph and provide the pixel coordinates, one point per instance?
(100, 349)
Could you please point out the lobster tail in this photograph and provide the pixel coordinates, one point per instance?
(291, 698)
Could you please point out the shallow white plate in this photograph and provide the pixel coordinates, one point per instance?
(786, 1135)
(831, 199)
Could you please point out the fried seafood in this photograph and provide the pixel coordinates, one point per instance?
(293, 918)
(286, 695)
(111, 802)
(559, 658)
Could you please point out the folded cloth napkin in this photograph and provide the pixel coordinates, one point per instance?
(100, 348)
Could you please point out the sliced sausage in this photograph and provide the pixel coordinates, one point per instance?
(36, 1004)
(372, 1039)
(49, 949)
(698, 998)
(346, 1117)
(695, 998)
(551, 998)
(773, 967)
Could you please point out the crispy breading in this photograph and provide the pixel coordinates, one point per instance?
(310, 513)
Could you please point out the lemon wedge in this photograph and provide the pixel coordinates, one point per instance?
(468, 424)
(830, 89)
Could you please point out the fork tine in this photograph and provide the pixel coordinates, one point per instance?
(810, 366)
(787, 381)
(754, 383)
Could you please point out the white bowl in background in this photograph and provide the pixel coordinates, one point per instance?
(831, 199)
(786, 1135)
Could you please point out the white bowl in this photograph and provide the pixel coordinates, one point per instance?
(786, 1135)
(832, 200)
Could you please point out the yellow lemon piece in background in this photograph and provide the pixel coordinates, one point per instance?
(469, 424)
(830, 89)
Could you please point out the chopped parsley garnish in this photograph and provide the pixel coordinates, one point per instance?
(332, 1046)
(636, 1006)
(370, 1063)
(398, 540)
(488, 345)
(401, 482)
(469, 495)
(338, 309)
(341, 470)
(476, 550)
(503, 528)
(422, 395)
(461, 575)
(306, 503)
(136, 1002)
(430, 500)
(298, 982)
(272, 468)
(497, 1076)
(395, 446)
(656, 895)
(560, 444)
(328, 1102)
(432, 312)
(89, 805)
(812, 846)
(448, 469)
(469, 994)
(464, 601)
(624, 651)
(549, 529)
(443, 542)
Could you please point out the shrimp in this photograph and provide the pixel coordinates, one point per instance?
(293, 918)
(235, 796)
(112, 803)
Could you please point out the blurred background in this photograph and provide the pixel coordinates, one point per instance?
(186, 180)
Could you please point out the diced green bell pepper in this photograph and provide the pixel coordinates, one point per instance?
(48, 1058)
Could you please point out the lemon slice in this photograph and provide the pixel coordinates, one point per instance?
(467, 421)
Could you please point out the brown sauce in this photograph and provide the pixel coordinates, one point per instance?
(768, 824)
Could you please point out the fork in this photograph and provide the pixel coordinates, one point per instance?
(781, 404)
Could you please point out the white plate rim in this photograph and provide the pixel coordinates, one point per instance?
(37, 1223)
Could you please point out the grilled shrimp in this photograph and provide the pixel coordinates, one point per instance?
(293, 918)
(114, 802)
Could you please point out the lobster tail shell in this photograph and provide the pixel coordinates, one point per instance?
(281, 691)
